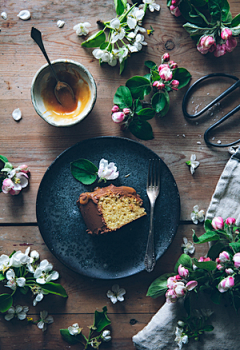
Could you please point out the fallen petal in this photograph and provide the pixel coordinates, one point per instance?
(24, 15)
(17, 114)
(4, 15)
(60, 23)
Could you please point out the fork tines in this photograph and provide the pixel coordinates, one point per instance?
(153, 179)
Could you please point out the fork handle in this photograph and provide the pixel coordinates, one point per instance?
(150, 260)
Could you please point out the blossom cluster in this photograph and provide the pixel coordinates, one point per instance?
(125, 34)
(25, 271)
(179, 285)
(15, 179)
(208, 43)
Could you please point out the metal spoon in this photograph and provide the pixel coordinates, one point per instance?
(36, 35)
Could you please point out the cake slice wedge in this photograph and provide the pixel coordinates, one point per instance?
(110, 208)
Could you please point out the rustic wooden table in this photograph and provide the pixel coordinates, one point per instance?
(34, 142)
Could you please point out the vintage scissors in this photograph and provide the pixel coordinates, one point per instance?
(219, 98)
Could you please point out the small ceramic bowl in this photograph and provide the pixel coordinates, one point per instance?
(44, 100)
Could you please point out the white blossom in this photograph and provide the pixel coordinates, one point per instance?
(105, 56)
(188, 247)
(20, 312)
(82, 28)
(4, 15)
(132, 34)
(193, 163)
(106, 335)
(119, 32)
(39, 292)
(44, 273)
(5, 263)
(197, 215)
(44, 320)
(107, 171)
(74, 329)
(34, 255)
(180, 337)
(134, 17)
(60, 23)
(17, 114)
(14, 281)
(137, 45)
(121, 53)
(19, 258)
(116, 294)
(152, 5)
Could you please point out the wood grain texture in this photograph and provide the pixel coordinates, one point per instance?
(85, 296)
(36, 143)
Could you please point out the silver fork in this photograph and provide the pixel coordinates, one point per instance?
(153, 189)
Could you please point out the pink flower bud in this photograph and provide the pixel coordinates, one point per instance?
(225, 284)
(175, 2)
(236, 259)
(229, 271)
(159, 85)
(166, 74)
(219, 267)
(166, 57)
(217, 260)
(182, 271)
(175, 10)
(226, 34)
(164, 65)
(118, 117)
(180, 289)
(172, 64)
(175, 84)
(23, 168)
(220, 50)
(202, 259)
(171, 296)
(126, 111)
(230, 221)
(218, 223)
(7, 185)
(230, 44)
(115, 109)
(191, 285)
(206, 44)
(224, 256)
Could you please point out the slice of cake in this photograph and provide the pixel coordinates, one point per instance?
(109, 208)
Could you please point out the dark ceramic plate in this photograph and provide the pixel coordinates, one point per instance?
(117, 254)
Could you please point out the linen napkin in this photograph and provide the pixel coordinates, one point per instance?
(159, 334)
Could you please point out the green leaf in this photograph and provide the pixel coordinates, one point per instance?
(189, 14)
(24, 290)
(146, 113)
(122, 66)
(187, 305)
(182, 75)
(119, 6)
(137, 106)
(208, 225)
(216, 249)
(2, 277)
(159, 101)
(155, 76)
(199, 3)
(141, 129)
(193, 29)
(236, 30)
(139, 87)
(169, 3)
(235, 246)
(71, 339)
(148, 76)
(123, 97)
(206, 237)
(3, 159)
(104, 45)
(185, 261)
(208, 328)
(164, 111)
(150, 64)
(228, 20)
(95, 40)
(101, 320)
(6, 302)
(218, 9)
(235, 21)
(159, 286)
(84, 171)
(205, 265)
(54, 288)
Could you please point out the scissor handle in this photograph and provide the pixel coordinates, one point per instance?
(219, 98)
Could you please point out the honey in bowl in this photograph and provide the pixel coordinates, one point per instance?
(69, 109)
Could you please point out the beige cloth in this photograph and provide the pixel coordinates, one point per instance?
(225, 201)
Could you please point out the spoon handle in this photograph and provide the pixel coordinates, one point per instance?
(36, 35)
